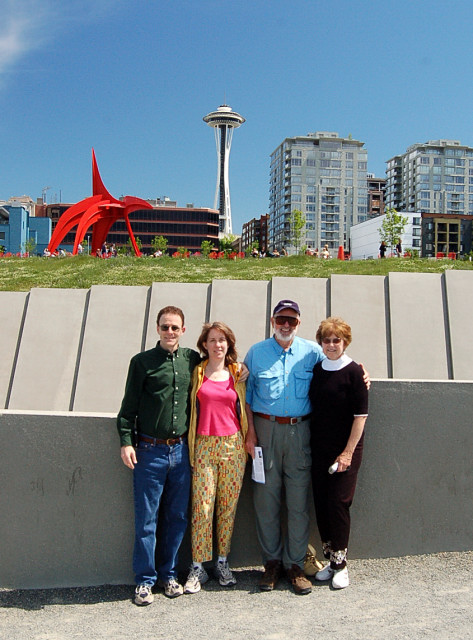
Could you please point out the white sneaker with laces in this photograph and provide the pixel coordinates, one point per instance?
(325, 574)
(340, 579)
(196, 578)
(224, 574)
(172, 588)
(143, 595)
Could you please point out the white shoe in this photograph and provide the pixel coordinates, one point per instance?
(172, 588)
(196, 578)
(143, 595)
(340, 579)
(325, 574)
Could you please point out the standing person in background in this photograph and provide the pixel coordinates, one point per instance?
(156, 401)
(339, 398)
(382, 249)
(217, 432)
(399, 248)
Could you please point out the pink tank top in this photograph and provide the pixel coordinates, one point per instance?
(217, 408)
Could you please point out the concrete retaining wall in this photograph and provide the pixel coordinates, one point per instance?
(66, 503)
(66, 499)
(69, 349)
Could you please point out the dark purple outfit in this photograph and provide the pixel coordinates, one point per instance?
(336, 397)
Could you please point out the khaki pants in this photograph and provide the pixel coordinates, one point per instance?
(287, 462)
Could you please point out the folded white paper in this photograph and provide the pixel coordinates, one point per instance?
(257, 473)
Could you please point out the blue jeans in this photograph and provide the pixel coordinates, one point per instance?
(161, 481)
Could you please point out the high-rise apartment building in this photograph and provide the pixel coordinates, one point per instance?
(324, 176)
(435, 177)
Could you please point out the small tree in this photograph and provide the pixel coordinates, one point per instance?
(296, 229)
(392, 227)
(226, 243)
(139, 244)
(206, 247)
(29, 246)
(159, 243)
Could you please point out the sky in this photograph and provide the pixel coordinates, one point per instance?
(134, 78)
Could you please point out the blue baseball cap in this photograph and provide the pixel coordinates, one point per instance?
(283, 305)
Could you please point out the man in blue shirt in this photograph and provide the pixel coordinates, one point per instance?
(278, 410)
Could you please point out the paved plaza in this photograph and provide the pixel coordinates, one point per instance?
(408, 598)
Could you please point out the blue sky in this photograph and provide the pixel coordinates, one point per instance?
(134, 78)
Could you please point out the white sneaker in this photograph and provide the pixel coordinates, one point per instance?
(143, 595)
(325, 574)
(224, 574)
(340, 579)
(196, 578)
(172, 588)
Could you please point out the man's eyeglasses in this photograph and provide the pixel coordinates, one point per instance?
(331, 340)
(292, 322)
(166, 327)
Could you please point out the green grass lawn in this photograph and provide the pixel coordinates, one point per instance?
(80, 272)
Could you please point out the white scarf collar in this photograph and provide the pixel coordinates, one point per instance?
(336, 365)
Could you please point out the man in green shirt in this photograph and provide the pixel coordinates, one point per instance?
(155, 405)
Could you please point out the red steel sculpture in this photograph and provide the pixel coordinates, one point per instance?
(99, 211)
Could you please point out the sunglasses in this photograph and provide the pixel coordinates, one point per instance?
(331, 340)
(292, 322)
(166, 327)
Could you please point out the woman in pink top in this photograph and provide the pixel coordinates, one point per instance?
(217, 433)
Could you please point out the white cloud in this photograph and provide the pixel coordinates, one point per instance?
(23, 25)
(27, 24)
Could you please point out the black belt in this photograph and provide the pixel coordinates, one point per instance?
(169, 441)
(281, 420)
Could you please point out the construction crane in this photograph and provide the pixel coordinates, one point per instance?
(44, 193)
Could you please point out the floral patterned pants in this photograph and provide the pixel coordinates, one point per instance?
(219, 467)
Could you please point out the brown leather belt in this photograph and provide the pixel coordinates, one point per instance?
(169, 441)
(283, 420)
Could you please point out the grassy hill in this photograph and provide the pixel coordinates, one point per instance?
(80, 272)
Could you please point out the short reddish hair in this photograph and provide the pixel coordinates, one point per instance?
(334, 325)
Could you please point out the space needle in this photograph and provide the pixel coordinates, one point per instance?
(224, 120)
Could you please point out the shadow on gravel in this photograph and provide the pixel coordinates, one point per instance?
(36, 599)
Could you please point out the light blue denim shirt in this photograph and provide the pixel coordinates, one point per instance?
(279, 380)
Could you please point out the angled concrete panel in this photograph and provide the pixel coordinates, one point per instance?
(113, 334)
(66, 502)
(459, 288)
(191, 298)
(241, 304)
(311, 296)
(48, 351)
(360, 301)
(419, 349)
(12, 305)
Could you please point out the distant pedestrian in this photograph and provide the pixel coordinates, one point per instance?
(382, 249)
(399, 248)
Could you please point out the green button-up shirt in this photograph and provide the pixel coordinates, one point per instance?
(157, 394)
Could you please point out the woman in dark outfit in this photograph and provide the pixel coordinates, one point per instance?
(339, 400)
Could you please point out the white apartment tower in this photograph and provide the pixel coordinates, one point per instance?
(324, 176)
(435, 177)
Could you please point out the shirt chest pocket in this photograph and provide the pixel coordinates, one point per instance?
(302, 383)
(270, 385)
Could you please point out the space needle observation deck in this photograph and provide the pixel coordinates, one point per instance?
(223, 121)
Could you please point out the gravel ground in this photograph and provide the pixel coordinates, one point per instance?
(410, 598)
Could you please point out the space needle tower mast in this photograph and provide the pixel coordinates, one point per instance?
(224, 120)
